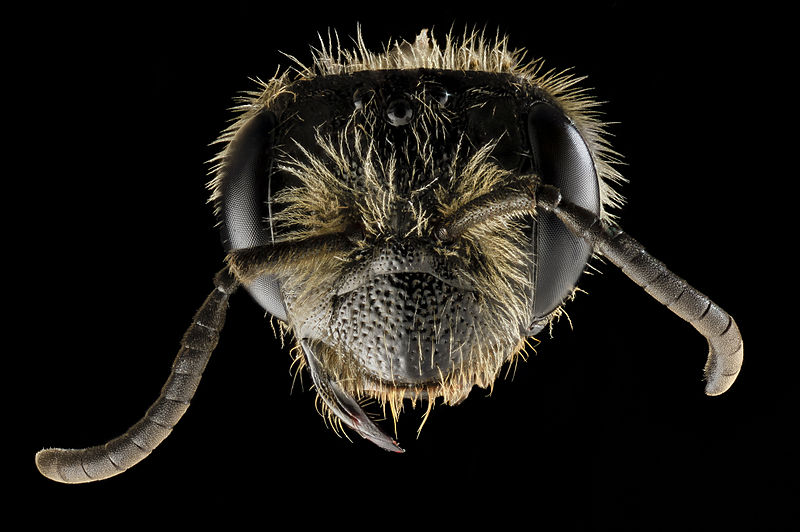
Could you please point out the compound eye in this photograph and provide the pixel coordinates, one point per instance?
(564, 160)
(245, 181)
(399, 112)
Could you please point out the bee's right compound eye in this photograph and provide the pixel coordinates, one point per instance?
(245, 183)
(562, 159)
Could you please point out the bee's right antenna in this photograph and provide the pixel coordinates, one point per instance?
(73, 466)
(717, 326)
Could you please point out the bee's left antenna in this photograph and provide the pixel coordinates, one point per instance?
(725, 346)
(73, 466)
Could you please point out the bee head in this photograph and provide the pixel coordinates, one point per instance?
(377, 152)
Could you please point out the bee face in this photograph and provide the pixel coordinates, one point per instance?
(384, 157)
(399, 313)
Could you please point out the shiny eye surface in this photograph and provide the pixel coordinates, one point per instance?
(399, 112)
(439, 94)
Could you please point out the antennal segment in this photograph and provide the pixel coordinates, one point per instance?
(726, 349)
(74, 466)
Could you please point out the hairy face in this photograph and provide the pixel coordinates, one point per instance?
(379, 152)
(398, 314)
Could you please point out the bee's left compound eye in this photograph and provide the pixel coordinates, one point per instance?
(564, 160)
(399, 112)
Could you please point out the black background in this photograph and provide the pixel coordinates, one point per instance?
(606, 427)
